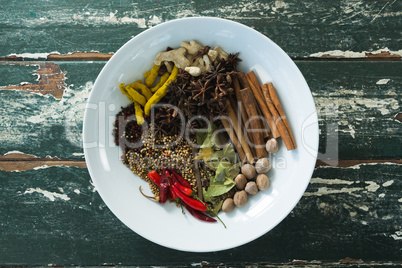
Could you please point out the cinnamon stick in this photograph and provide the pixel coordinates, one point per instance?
(255, 87)
(263, 123)
(234, 140)
(245, 84)
(252, 113)
(278, 106)
(243, 80)
(242, 108)
(239, 134)
(279, 122)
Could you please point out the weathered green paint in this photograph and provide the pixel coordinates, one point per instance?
(355, 103)
(357, 215)
(11, 74)
(345, 213)
(51, 127)
(301, 28)
(353, 109)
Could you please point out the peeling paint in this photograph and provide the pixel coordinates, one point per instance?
(383, 81)
(51, 195)
(354, 54)
(330, 181)
(351, 131)
(19, 152)
(358, 166)
(330, 107)
(388, 183)
(364, 208)
(325, 191)
(397, 235)
(51, 80)
(88, 18)
(43, 167)
(32, 55)
(372, 186)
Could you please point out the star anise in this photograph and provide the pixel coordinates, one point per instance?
(159, 130)
(200, 90)
(215, 71)
(166, 121)
(221, 84)
(232, 61)
(188, 107)
(181, 90)
(183, 76)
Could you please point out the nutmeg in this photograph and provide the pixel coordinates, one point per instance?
(228, 205)
(272, 146)
(240, 181)
(263, 165)
(240, 198)
(262, 182)
(248, 171)
(251, 188)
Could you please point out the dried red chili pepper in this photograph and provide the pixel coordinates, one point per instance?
(156, 198)
(199, 215)
(171, 182)
(180, 179)
(195, 204)
(164, 187)
(183, 189)
(155, 177)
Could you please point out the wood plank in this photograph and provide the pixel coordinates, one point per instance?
(325, 56)
(358, 105)
(50, 124)
(74, 56)
(312, 28)
(50, 79)
(347, 216)
(18, 73)
(22, 162)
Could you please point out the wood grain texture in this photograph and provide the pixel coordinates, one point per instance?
(51, 127)
(301, 28)
(17, 161)
(50, 79)
(54, 216)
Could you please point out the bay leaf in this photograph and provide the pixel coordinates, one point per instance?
(220, 177)
(219, 188)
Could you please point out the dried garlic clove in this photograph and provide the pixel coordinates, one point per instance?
(194, 71)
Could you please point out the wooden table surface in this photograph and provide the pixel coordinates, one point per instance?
(350, 54)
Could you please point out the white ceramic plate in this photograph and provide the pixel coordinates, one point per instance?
(165, 224)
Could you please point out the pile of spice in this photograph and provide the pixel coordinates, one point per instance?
(155, 153)
(199, 131)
